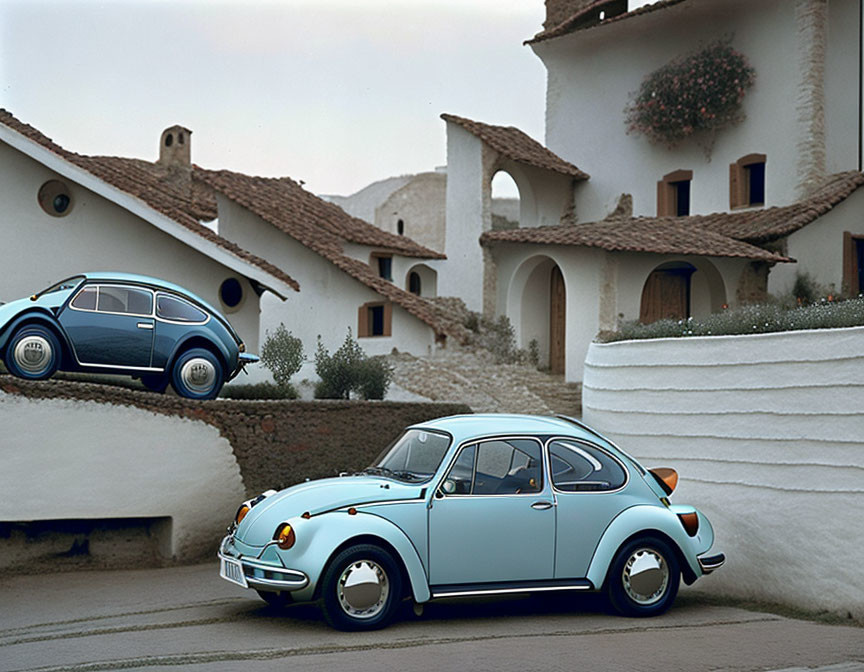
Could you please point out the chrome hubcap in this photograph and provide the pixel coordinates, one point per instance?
(198, 374)
(33, 354)
(363, 589)
(646, 576)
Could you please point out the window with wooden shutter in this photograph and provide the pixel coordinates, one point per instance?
(375, 319)
(747, 181)
(673, 194)
(853, 264)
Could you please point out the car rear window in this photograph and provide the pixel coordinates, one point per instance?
(178, 310)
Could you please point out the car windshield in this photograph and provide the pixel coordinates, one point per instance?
(415, 456)
(68, 283)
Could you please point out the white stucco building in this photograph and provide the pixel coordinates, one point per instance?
(643, 230)
(62, 214)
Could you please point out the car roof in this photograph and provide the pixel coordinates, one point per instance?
(105, 276)
(466, 427)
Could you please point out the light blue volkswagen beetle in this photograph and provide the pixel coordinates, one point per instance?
(473, 505)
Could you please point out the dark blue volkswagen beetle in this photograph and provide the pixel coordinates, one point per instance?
(122, 323)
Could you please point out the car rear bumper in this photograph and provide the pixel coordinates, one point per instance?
(259, 574)
(710, 563)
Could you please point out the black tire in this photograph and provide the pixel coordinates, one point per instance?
(365, 609)
(33, 353)
(197, 374)
(155, 383)
(653, 590)
(278, 600)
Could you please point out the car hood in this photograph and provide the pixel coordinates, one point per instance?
(260, 523)
(46, 301)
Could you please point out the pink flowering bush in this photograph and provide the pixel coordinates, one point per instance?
(700, 91)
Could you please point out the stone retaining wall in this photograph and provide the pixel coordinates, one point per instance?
(83, 451)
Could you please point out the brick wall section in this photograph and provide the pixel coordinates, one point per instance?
(276, 443)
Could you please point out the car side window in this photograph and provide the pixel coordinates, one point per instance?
(125, 300)
(581, 467)
(499, 467)
(85, 299)
(178, 310)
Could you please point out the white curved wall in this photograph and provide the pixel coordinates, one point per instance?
(767, 434)
(66, 460)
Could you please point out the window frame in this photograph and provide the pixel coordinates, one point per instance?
(667, 193)
(374, 262)
(439, 492)
(364, 324)
(589, 444)
(739, 181)
(851, 271)
(176, 297)
(99, 285)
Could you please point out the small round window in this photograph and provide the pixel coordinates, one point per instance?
(231, 293)
(55, 198)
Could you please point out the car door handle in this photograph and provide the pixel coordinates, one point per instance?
(541, 506)
(145, 325)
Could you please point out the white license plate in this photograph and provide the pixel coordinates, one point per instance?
(232, 571)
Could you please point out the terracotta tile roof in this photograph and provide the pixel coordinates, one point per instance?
(585, 18)
(662, 235)
(516, 145)
(282, 203)
(720, 234)
(759, 226)
(162, 189)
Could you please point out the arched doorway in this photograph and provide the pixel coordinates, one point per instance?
(505, 202)
(557, 321)
(422, 281)
(666, 293)
(536, 305)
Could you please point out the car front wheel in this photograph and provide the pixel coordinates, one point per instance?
(362, 589)
(644, 577)
(197, 374)
(33, 353)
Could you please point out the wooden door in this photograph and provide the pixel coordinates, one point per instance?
(557, 314)
(666, 295)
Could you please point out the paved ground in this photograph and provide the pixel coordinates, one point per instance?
(475, 378)
(188, 619)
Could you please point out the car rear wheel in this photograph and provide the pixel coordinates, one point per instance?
(197, 374)
(644, 577)
(33, 353)
(362, 589)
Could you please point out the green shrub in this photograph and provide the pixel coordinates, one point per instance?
(258, 391)
(349, 370)
(374, 376)
(282, 353)
(534, 352)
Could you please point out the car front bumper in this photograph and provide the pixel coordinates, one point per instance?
(256, 573)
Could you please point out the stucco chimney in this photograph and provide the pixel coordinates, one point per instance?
(175, 147)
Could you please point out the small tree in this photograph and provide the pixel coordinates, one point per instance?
(282, 353)
(350, 370)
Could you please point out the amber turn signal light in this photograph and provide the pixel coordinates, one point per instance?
(666, 477)
(285, 536)
(690, 521)
(241, 513)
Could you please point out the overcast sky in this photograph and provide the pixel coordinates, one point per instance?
(338, 93)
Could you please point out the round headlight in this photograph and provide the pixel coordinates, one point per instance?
(284, 536)
(241, 513)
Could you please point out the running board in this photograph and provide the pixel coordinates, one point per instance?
(471, 589)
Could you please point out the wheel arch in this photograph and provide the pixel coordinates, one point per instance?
(643, 521)
(379, 532)
(43, 319)
(198, 341)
